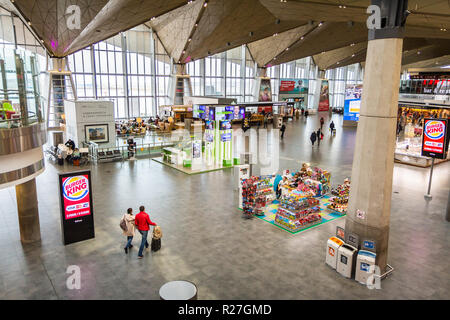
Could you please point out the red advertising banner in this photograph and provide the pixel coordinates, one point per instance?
(76, 196)
(266, 109)
(287, 85)
(324, 101)
(434, 138)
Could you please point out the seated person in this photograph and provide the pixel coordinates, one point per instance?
(76, 154)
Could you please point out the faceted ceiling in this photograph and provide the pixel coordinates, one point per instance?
(333, 32)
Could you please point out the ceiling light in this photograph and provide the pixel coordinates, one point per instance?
(206, 3)
(443, 29)
(190, 1)
(337, 62)
(351, 45)
(153, 18)
(189, 40)
(353, 55)
(196, 25)
(29, 23)
(287, 49)
(323, 52)
(418, 52)
(302, 37)
(275, 34)
(184, 51)
(320, 24)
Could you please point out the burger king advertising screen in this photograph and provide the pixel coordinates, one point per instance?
(434, 140)
(77, 218)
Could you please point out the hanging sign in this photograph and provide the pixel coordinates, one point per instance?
(434, 138)
(77, 215)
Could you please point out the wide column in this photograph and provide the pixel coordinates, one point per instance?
(27, 207)
(370, 195)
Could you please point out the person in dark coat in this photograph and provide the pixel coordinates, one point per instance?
(332, 126)
(319, 136)
(283, 128)
(322, 121)
(313, 138)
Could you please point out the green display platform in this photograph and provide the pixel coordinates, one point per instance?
(190, 170)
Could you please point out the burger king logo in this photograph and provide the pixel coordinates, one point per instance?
(434, 130)
(75, 188)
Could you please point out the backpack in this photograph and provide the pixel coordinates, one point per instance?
(123, 224)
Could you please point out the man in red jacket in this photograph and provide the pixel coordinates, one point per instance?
(143, 223)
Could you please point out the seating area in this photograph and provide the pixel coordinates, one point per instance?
(109, 156)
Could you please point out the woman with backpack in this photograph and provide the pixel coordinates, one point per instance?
(127, 226)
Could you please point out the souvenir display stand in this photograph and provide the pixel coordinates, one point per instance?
(297, 212)
(339, 202)
(257, 192)
(305, 199)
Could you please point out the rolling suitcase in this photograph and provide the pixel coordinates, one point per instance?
(156, 244)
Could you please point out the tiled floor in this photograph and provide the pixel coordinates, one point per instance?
(207, 241)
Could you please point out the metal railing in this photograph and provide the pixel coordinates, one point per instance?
(146, 146)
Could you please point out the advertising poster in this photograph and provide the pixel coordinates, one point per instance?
(225, 125)
(265, 91)
(294, 86)
(199, 112)
(352, 102)
(324, 100)
(225, 137)
(77, 216)
(434, 137)
(239, 113)
(196, 149)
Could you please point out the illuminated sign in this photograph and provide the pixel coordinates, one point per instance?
(77, 219)
(434, 138)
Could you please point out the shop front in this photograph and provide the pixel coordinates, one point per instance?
(410, 120)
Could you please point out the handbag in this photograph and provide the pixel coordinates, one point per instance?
(123, 224)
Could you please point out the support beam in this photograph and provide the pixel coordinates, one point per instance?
(27, 207)
(370, 196)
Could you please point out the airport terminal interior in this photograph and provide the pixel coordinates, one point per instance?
(286, 150)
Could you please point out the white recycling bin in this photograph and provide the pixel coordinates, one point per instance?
(364, 261)
(346, 260)
(333, 245)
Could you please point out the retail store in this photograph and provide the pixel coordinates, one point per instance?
(410, 121)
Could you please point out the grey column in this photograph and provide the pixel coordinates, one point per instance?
(27, 207)
(373, 160)
(447, 216)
